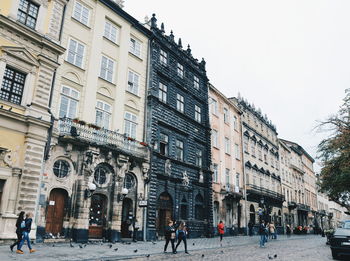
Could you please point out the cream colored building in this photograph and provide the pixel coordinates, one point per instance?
(97, 168)
(225, 120)
(29, 50)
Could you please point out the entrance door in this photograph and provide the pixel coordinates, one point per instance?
(97, 219)
(127, 215)
(55, 211)
(165, 212)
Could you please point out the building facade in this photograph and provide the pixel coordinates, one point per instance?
(179, 132)
(97, 165)
(227, 163)
(29, 47)
(261, 167)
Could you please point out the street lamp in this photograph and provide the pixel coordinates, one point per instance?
(88, 191)
(122, 195)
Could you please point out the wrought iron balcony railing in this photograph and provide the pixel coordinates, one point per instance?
(263, 191)
(101, 137)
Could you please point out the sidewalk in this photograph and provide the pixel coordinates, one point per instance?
(119, 251)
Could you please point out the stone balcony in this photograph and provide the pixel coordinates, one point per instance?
(83, 133)
(260, 191)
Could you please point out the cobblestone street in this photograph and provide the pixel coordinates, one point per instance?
(308, 248)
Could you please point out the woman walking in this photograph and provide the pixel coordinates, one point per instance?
(170, 236)
(182, 236)
(19, 222)
(221, 229)
(26, 230)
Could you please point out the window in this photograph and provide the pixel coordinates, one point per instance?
(265, 155)
(103, 114)
(135, 47)
(183, 209)
(196, 82)
(12, 86)
(199, 209)
(100, 175)
(27, 13)
(61, 168)
(260, 152)
(75, 53)
(199, 154)
(180, 104)
(237, 180)
(180, 70)
(214, 106)
(163, 144)
(227, 145)
(252, 146)
(226, 115)
(133, 82)
(107, 68)
(227, 178)
(245, 144)
(163, 58)
(130, 124)
(237, 152)
(197, 113)
(235, 123)
(111, 31)
(129, 181)
(215, 174)
(69, 103)
(81, 13)
(215, 137)
(179, 150)
(162, 95)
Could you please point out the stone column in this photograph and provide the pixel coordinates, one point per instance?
(11, 205)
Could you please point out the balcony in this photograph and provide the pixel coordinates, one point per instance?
(231, 191)
(303, 207)
(292, 205)
(84, 133)
(295, 167)
(253, 189)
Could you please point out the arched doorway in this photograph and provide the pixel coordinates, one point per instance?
(127, 217)
(98, 215)
(165, 212)
(252, 214)
(56, 211)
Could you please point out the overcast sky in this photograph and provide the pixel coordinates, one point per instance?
(290, 58)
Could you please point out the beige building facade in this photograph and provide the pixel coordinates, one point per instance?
(97, 170)
(227, 163)
(29, 50)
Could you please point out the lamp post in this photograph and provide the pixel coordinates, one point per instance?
(123, 193)
(88, 191)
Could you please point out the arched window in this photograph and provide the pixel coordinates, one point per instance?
(183, 209)
(61, 168)
(198, 209)
(129, 181)
(252, 214)
(100, 175)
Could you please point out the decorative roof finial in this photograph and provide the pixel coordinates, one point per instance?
(180, 43)
(202, 64)
(188, 49)
(162, 28)
(153, 21)
(171, 35)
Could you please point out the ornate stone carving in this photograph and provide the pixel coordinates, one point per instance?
(201, 176)
(185, 179)
(167, 167)
(8, 158)
(123, 164)
(145, 169)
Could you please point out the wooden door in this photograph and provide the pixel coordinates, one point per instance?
(97, 219)
(55, 211)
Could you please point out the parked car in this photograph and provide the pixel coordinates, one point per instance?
(340, 241)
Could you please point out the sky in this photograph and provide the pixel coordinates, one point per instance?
(289, 58)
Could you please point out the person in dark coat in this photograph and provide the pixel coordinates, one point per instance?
(263, 233)
(26, 230)
(170, 234)
(182, 236)
(250, 228)
(19, 221)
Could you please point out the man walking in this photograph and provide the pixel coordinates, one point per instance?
(263, 233)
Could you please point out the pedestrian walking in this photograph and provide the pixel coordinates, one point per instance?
(221, 229)
(272, 229)
(19, 222)
(288, 230)
(26, 230)
(263, 233)
(182, 236)
(170, 236)
(135, 228)
(250, 228)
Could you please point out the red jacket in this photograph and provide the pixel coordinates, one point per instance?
(221, 228)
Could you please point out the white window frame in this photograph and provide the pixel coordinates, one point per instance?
(72, 97)
(101, 107)
(133, 82)
(195, 82)
(135, 47)
(227, 145)
(107, 72)
(75, 53)
(180, 103)
(180, 70)
(163, 92)
(79, 16)
(235, 123)
(215, 172)
(111, 31)
(197, 113)
(179, 144)
(237, 152)
(215, 138)
(130, 124)
(226, 115)
(199, 157)
(214, 106)
(163, 57)
(227, 178)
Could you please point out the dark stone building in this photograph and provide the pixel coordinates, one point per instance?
(179, 132)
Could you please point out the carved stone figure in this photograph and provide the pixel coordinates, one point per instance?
(168, 167)
(185, 179)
